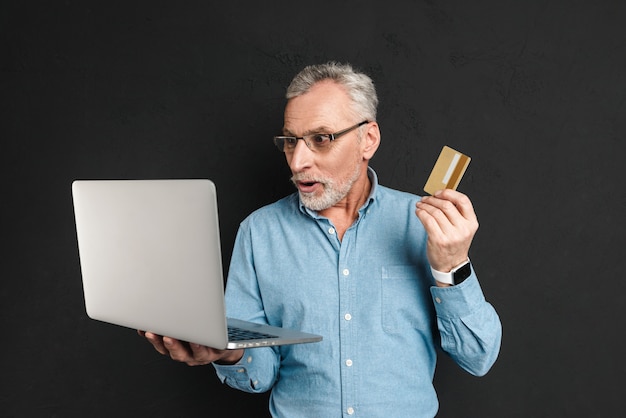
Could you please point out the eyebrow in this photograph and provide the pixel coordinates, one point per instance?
(318, 130)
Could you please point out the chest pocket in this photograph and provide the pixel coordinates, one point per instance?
(404, 299)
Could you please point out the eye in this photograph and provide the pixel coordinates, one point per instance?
(290, 141)
(320, 140)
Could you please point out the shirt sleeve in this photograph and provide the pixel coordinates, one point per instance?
(258, 368)
(247, 375)
(469, 326)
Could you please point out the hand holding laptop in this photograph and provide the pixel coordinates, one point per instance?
(192, 354)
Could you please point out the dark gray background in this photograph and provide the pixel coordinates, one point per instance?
(533, 90)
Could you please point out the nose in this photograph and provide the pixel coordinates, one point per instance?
(301, 158)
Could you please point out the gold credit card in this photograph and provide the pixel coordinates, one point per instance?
(448, 170)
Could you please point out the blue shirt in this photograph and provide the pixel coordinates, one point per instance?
(371, 296)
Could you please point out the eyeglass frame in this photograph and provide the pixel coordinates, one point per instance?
(281, 139)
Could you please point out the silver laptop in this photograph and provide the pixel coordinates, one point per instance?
(150, 259)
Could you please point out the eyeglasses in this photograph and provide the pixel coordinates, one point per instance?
(315, 142)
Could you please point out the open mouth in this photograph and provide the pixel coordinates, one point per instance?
(306, 183)
(307, 186)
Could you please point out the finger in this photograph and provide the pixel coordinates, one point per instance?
(438, 216)
(156, 341)
(444, 226)
(457, 212)
(443, 210)
(443, 238)
(425, 213)
(461, 202)
(191, 354)
(448, 241)
(178, 350)
(202, 355)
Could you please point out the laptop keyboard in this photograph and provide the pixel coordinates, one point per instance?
(238, 334)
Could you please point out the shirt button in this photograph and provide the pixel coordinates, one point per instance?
(346, 272)
(347, 317)
(437, 300)
(249, 359)
(349, 363)
(350, 411)
(331, 231)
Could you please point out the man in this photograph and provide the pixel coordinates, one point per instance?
(354, 261)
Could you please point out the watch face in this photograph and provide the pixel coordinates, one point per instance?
(462, 273)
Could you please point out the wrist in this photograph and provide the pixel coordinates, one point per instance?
(455, 276)
(231, 358)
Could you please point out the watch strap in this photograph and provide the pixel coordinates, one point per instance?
(452, 277)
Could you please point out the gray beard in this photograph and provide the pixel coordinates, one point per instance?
(332, 193)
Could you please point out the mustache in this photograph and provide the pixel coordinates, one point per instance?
(305, 178)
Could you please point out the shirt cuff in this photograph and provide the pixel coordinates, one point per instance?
(460, 300)
(237, 371)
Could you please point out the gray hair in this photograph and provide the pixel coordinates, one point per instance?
(359, 86)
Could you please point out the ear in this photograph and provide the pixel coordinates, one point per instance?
(371, 140)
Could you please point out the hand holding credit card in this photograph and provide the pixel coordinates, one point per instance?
(448, 170)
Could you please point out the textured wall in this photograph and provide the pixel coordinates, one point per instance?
(534, 91)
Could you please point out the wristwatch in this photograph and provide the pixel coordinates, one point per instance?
(456, 275)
